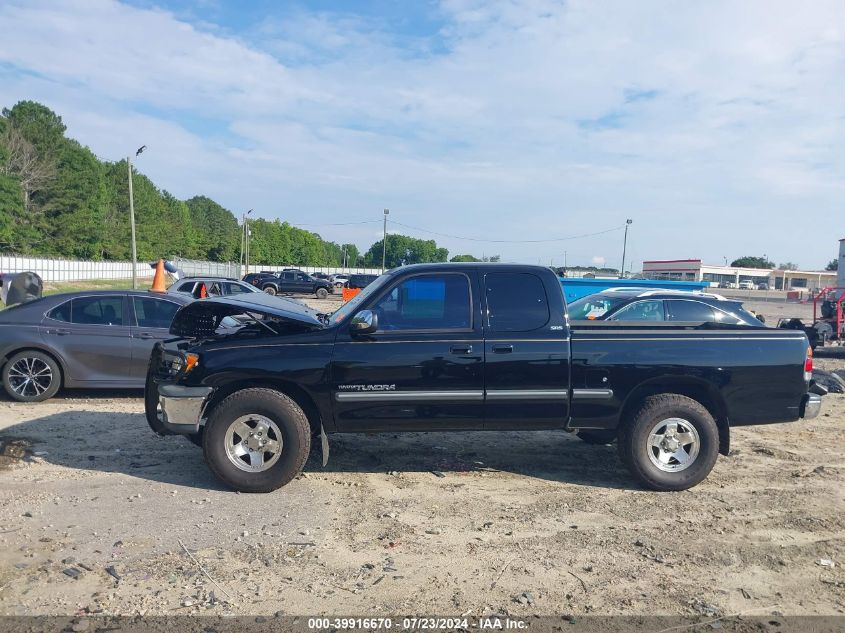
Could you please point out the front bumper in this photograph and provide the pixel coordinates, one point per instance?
(182, 407)
(811, 406)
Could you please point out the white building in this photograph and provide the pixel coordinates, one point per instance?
(694, 270)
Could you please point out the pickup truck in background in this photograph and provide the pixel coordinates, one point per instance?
(457, 347)
(296, 281)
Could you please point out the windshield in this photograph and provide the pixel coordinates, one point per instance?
(351, 306)
(593, 307)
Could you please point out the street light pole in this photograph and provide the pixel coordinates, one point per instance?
(628, 223)
(384, 241)
(132, 220)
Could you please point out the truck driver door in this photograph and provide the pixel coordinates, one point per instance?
(423, 368)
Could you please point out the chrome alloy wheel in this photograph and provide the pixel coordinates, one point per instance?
(673, 445)
(253, 443)
(30, 377)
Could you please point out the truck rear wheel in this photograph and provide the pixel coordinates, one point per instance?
(671, 443)
(270, 290)
(256, 440)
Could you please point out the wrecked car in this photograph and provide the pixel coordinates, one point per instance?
(457, 347)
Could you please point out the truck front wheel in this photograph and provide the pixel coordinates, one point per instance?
(256, 440)
(322, 293)
(671, 443)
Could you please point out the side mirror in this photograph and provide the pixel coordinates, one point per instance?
(365, 322)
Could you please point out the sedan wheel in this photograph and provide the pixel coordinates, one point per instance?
(31, 377)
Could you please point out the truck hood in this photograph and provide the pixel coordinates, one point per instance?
(204, 318)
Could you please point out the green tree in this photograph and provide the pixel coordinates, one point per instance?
(833, 264)
(403, 250)
(38, 124)
(217, 230)
(464, 258)
(352, 254)
(750, 261)
(788, 266)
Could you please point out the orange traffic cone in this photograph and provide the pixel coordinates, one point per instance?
(158, 278)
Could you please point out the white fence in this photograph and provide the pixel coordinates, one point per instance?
(71, 269)
(54, 269)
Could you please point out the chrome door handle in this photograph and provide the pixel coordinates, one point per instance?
(502, 349)
(461, 349)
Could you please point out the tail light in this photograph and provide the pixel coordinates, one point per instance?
(808, 365)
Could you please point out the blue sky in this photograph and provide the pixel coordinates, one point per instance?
(717, 127)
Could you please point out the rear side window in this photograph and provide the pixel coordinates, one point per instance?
(232, 289)
(187, 286)
(154, 313)
(97, 311)
(690, 311)
(427, 302)
(516, 302)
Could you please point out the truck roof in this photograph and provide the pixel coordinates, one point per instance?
(487, 265)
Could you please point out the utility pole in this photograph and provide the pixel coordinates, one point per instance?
(245, 242)
(384, 241)
(132, 220)
(628, 223)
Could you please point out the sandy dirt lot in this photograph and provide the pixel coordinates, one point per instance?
(95, 510)
(523, 524)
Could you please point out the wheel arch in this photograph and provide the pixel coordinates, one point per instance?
(699, 390)
(35, 348)
(299, 395)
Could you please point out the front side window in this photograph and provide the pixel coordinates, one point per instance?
(516, 302)
(427, 302)
(154, 313)
(647, 310)
(97, 311)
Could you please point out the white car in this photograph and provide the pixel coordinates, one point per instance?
(339, 281)
(746, 285)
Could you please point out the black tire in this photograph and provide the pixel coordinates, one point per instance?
(284, 413)
(635, 448)
(322, 293)
(597, 436)
(270, 290)
(42, 365)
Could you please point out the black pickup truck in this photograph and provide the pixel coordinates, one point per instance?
(456, 347)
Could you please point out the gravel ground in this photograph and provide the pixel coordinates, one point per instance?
(521, 524)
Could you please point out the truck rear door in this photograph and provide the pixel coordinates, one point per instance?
(526, 351)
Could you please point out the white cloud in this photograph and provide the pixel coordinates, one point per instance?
(599, 261)
(712, 125)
